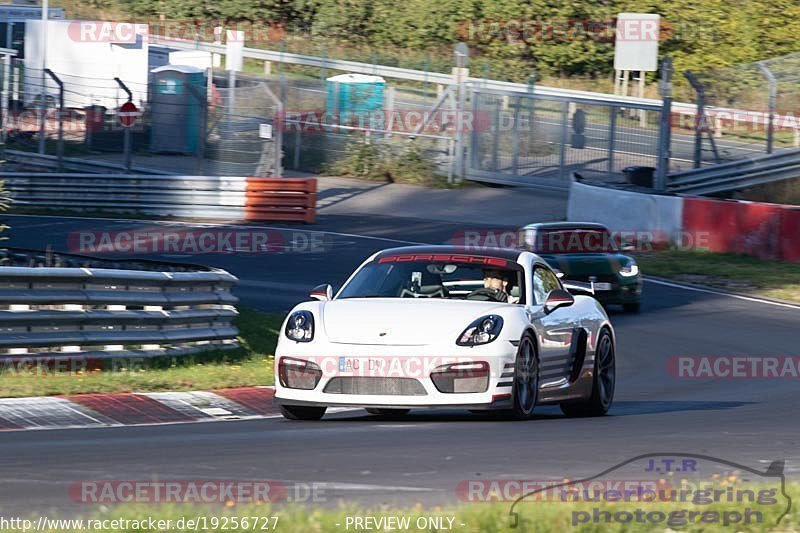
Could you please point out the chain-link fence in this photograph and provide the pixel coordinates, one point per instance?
(318, 137)
(535, 139)
(252, 125)
(745, 110)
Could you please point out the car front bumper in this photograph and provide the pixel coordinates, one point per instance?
(620, 293)
(389, 376)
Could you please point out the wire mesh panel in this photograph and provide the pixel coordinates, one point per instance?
(236, 142)
(735, 118)
(538, 140)
(318, 138)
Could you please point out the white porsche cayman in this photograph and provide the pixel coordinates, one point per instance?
(438, 327)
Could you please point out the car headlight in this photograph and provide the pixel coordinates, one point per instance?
(300, 326)
(630, 270)
(482, 331)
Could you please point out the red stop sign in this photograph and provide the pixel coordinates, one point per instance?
(128, 113)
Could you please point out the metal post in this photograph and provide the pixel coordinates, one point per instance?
(201, 143)
(43, 94)
(642, 112)
(665, 127)
(773, 96)
(4, 104)
(498, 108)
(323, 73)
(699, 118)
(278, 123)
(515, 138)
(60, 145)
(284, 118)
(532, 108)
(612, 137)
(562, 156)
(231, 93)
(127, 147)
(460, 76)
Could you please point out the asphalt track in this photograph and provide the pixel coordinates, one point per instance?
(422, 457)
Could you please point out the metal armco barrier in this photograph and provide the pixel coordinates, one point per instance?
(196, 197)
(737, 174)
(93, 312)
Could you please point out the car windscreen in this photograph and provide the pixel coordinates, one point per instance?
(431, 278)
(574, 241)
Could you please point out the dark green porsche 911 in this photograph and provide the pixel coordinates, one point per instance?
(587, 252)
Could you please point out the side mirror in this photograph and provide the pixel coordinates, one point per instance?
(322, 293)
(579, 287)
(557, 298)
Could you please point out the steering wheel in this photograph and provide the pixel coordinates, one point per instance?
(488, 295)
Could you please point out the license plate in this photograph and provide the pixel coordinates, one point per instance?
(359, 364)
(602, 286)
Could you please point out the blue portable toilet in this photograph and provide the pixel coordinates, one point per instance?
(356, 98)
(177, 107)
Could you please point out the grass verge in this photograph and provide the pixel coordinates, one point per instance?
(538, 516)
(249, 365)
(731, 272)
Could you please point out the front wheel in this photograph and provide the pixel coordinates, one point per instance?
(526, 379)
(300, 412)
(603, 382)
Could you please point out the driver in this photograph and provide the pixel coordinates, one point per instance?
(496, 281)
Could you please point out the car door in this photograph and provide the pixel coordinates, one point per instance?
(555, 330)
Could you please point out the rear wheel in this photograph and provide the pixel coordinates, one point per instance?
(387, 412)
(603, 382)
(301, 412)
(526, 379)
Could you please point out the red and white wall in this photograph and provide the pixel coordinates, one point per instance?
(766, 231)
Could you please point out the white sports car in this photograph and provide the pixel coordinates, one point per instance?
(438, 327)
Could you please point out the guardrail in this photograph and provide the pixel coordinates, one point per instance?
(145, 310)
(737, 174)
(197, 197)
(75, 163)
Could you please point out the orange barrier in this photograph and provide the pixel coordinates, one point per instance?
(281, 199)
(766, 231)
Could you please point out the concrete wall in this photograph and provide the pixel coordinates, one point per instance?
(766, 231)
(624, 211)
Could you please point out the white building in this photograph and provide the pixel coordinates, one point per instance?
(87, 56)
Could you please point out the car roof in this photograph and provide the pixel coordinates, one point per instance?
(566, 225)
(509, 254)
